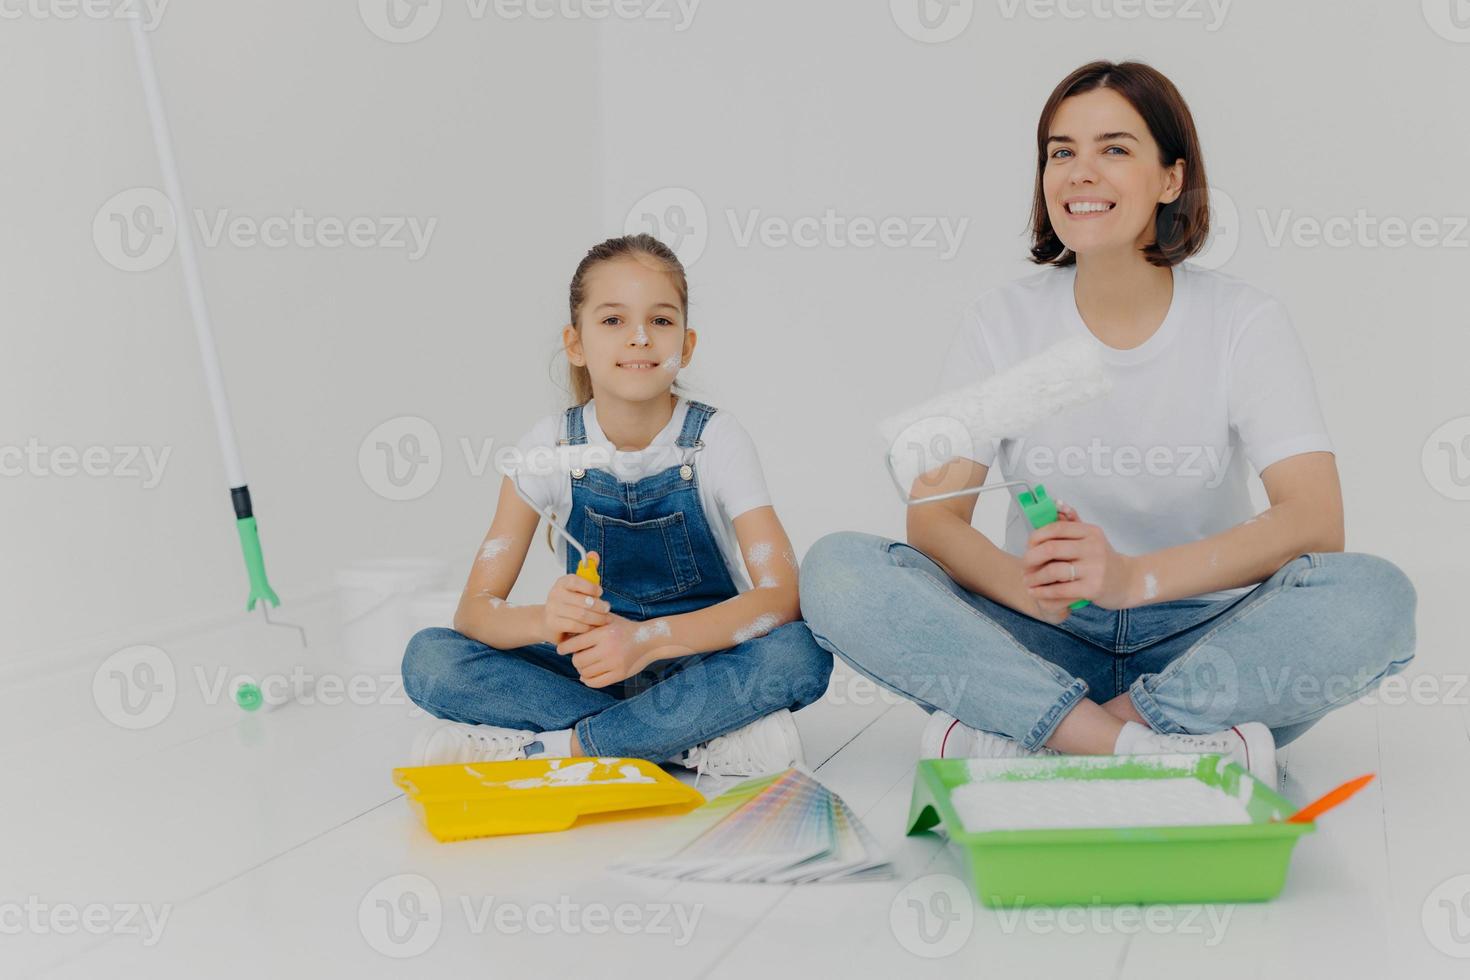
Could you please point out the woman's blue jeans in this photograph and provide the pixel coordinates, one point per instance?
(1320, 633)
(672, 706)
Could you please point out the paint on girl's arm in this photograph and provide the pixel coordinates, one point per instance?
(647, 631)
(494, 548)
(768, 582)
(759, 553)
(760, 626)
(495, 601)
(1150, 585)
(790, 557)
(1214, 559)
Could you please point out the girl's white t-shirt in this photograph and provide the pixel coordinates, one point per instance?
(727, 471)
(1223, 385)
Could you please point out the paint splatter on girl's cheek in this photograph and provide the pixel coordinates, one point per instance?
(1150, 585)
(760, 626)
(759, 553)
(647, 631)
(494, 548)
(670, 364)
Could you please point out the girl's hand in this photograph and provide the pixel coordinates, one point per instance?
(607, 654)
(573, 606)
(1069, 560)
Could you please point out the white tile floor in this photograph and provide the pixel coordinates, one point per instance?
(262, 837)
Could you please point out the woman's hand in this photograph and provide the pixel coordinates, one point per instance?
(607, 654)
(1069, 560)
(573, 606)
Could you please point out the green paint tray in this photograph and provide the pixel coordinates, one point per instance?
(1115, 865)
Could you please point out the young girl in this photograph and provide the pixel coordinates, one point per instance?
(674, 656)
(1210, 628)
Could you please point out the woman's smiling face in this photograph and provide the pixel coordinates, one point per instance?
(1103, 181)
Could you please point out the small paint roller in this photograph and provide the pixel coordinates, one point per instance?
(1003, 406)
(571, 460)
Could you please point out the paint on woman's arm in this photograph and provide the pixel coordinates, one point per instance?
(759, 553)
(1150, 585)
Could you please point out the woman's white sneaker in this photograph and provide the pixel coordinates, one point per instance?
(1250, 744)
(453, 742)
(946, 738)
(767, 745)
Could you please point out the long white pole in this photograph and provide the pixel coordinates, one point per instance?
(224, 426)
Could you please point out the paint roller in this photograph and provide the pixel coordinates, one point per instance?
(1003, 406)
(560, 460)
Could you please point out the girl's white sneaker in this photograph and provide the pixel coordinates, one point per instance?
(453, 742)
(767, 745)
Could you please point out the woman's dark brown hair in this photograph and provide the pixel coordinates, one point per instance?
(1181, 226)
(639, 246)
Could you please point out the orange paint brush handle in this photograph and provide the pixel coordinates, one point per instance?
(1329, 800)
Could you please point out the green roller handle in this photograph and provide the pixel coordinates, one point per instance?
(1041, 510)
(260, 586)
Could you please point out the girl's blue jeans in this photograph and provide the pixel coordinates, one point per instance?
(672, 706)
(1320, 633)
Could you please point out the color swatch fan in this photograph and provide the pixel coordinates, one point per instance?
(786, 828)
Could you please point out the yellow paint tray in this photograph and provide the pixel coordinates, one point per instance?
(530, 796)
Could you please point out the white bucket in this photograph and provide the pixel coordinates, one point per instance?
(374, 598)
(427, 609)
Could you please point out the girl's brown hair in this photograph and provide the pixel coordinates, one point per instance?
(638, 246)
(1181, 226)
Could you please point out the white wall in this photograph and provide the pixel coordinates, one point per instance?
(490, 127)
(528, 141)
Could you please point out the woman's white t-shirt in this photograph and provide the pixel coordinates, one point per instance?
(729, 474)
(1162, 459)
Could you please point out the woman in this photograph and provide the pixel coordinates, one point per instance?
(1209, 628)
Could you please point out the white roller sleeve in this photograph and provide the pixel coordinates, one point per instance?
(1002, 406)
(188, 258)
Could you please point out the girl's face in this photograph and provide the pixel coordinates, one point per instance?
(1103, 180)
(631, 334)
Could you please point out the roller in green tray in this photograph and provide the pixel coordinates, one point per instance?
(1115, 865)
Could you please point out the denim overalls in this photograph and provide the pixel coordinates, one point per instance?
(658, 556)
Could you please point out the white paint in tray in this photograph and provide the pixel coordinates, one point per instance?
(1071, 804)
